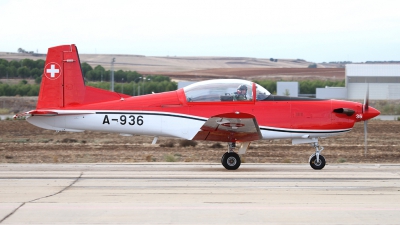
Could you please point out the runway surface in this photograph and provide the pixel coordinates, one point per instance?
(199, 194)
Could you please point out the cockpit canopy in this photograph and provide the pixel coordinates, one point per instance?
(224, 90)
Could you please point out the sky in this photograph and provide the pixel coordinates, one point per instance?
(313, 30)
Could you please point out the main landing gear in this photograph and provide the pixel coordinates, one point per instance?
(231, 160)
(317, 161)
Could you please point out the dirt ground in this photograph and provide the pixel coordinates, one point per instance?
(21, 142)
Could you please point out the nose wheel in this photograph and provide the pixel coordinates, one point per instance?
(317, 164)
(317, 161)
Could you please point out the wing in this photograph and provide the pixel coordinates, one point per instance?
(230, 127)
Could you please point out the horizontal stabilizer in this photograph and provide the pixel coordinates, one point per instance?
(52, 113)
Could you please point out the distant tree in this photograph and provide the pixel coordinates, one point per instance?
(309, 86)
(22, 89)
(23, 82)
(276, 60)
(171, 86)
(271, 59)
(270, 85)
(23, 72)
(15, 64)
(133, 76)
(40, 64)
(158, 78)
(313, 65)
(99, 68)
(85, 68)
(90, 75)
(3, 71)
(98, 72)
(118, 75)
(28, 63)
(286, 92)
(35, 72)
(34, 90)
(4, 62)
(38, 80)
(12, 71)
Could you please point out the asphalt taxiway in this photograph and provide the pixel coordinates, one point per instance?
(189, 193)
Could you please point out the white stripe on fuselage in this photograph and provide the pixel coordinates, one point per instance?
(152, 123)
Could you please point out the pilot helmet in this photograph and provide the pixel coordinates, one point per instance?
(242, 87)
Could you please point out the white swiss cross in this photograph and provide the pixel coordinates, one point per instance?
(52, 71)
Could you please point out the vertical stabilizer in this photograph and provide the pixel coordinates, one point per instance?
(62, 81)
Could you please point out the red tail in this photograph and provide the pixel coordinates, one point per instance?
(63, 84)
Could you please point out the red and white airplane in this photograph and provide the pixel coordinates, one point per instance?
(224, 110)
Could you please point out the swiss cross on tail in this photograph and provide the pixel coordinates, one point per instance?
(52, 71)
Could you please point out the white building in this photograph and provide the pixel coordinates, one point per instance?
(332, 93)
(383, 81)
(287, 88)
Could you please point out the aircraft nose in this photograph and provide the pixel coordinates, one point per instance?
(370, 113)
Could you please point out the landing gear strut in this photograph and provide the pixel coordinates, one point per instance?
(231, 160)
(317, 161)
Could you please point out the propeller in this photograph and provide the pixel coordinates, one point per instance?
(365, 109)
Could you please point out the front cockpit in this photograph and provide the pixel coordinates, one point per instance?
(222, 90)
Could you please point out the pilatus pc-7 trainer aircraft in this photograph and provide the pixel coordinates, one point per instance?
(225, 110)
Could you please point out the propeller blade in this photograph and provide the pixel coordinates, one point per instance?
(366, 100)
(365, 136)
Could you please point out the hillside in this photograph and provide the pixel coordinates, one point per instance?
(197, 68)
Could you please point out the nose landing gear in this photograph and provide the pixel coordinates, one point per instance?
(317, 161)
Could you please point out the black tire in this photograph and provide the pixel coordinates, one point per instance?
(315, 165)
(222, 158)
(231, 161)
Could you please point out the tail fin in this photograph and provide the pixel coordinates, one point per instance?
(63, 84)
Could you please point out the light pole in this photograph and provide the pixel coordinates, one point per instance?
(143, 80)
(134, 81)
(122, 86)
(144, 87)
(112, 74)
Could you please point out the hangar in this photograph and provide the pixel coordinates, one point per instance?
(383, 81)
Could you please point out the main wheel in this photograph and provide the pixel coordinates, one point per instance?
(222, 158)
(317, 165)
(231, 161)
